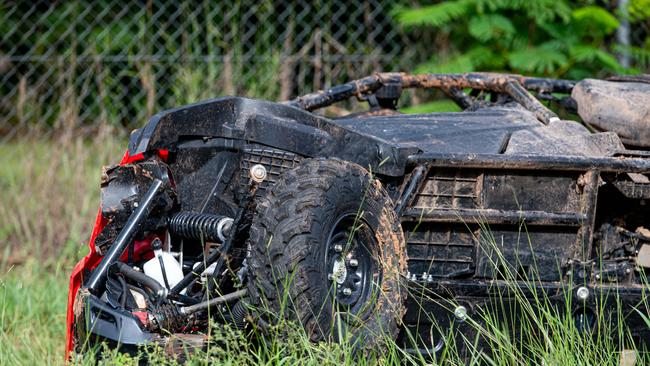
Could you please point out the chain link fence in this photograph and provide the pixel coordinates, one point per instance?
(77, 64)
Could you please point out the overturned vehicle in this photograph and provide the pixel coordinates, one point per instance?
(244, 211)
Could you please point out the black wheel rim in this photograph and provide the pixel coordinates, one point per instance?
(352, 270)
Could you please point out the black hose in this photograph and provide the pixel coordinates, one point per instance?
(164, 272)
(187, 300)
(124, 291)
(141, 278)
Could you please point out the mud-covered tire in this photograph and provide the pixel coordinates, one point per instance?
(293, 250)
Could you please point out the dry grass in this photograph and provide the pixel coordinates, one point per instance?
(49, 194)
(48, 199)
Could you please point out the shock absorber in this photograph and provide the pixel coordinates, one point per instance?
(200, 226)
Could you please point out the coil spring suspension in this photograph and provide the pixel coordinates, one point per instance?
(238, 315)
(200, 226)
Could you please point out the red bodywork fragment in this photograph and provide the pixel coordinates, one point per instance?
(92, 259)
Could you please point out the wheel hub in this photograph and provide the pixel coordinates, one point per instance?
(350, 264)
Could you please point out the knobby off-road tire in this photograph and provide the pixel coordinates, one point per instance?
(306, 267)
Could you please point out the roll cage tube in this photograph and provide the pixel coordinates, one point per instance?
(390, 85)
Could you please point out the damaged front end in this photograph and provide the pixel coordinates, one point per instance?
(137, 286)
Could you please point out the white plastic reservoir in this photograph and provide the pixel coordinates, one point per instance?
(154, 269)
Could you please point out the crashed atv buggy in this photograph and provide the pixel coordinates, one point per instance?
(245, 211)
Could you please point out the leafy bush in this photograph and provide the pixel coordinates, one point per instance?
(557, 38)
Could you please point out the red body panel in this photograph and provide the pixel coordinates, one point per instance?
(92, 259)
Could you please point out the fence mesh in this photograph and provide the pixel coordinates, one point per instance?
(82, 64)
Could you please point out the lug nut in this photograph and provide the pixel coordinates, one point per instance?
(338, 248)
(582, 293)
(347, 291)
(258, 173)
(354, 262)
(460, 313)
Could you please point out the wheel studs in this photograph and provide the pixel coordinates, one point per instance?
(338, 248)
(353, 262)
(347, 291)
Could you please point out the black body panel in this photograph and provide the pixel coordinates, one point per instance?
(447, 132)
(268, 124)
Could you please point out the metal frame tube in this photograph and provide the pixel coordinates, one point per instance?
(514, 85)
(532, 162)
(212, 302)
(97, 279)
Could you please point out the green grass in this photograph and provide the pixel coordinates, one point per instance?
(49, 194)
(32, 313)
(48, 199)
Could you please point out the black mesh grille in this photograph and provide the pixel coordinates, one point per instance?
(446, 189)
(441, 250)
(275, 162)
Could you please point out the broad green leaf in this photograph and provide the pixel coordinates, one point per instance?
(582, 53)
(591, 54)
(639, 10)
(609, 60)
(539, 11)
(476, 58)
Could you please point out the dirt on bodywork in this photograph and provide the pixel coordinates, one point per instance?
(621, 107)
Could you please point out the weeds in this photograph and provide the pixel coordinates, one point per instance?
(521, 324)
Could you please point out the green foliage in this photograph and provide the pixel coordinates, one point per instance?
(435, 106)
(539, 60)
(557, 38)
(90, 63)
(436, 15)
(639, 10)
(491, 27)
(595, 19)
